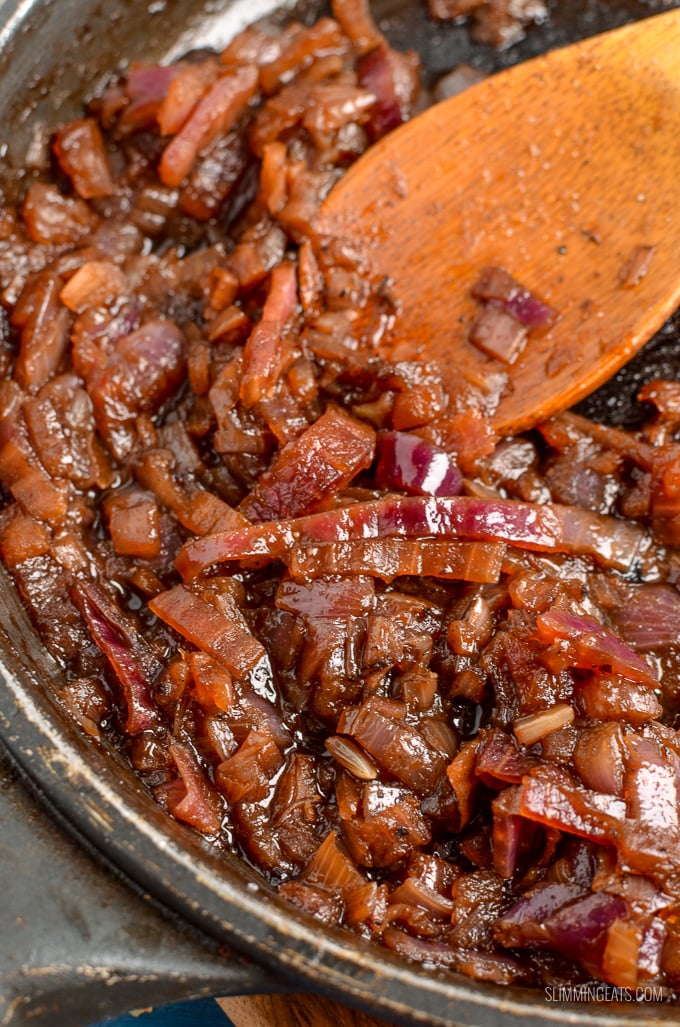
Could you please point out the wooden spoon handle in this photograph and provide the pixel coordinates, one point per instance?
(302, 1010)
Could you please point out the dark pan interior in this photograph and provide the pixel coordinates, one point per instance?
(51, 53)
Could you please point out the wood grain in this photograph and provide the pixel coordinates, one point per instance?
(560, 170)
(294, 1011)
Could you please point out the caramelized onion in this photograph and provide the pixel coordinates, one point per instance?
(650, 618)
(352, 757)
(527, 525)
(621, 952)
(404, 675)
(413, 465)
(536, 726)
(598, 758)
(592, 646)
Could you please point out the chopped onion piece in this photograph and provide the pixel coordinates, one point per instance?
(498, 334)
(620, 956)
(537, 725)
(552, 798)
(410, 463)
(555, 916)
(598, 757)
(352, 757)
(592, 646)
(495, 285)
(323, 459)
(414, 893)
(650, 617)
(200, 806)
(226, 638)
(134, 662)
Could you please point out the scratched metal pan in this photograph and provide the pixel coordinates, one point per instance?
(51, 53)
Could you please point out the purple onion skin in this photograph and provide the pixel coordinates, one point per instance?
(596, 645)
(651, 618)
(413, 465)
(561, 917)
(522, 922)
(533, 526)
(579, 929)
(126, 652)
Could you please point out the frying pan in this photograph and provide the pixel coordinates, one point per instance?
(106, 902)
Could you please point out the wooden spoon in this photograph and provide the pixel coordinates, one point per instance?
(565, 171)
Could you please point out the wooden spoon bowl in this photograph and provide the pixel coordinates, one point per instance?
(565, 171)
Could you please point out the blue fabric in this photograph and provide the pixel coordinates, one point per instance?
(200, 1013)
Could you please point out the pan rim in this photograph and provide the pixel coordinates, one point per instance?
(134, 834)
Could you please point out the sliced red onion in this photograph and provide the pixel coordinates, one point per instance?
(199, 806)
(343, 597)
(551, 797)
(613, 542)
(609, 697)
(521, 924)
(105, 332)
(246, 776)
(650, 784)
(560, 917)
(147, 86)
(592, 646)
(215, 113)
(389, 558)
(512, 834)
(149, 82)
(499, 760)
(320, 461)
(410, 463)
(436, 953)
(227, 638)
(529, 310)
(548, 527)
(263, 352)
(646, 849)
(650, 617)
(82, 155)
(639, 892)
(146, 367)
(489, 966)
(260, 712)
(598, 757)
(132, 660)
